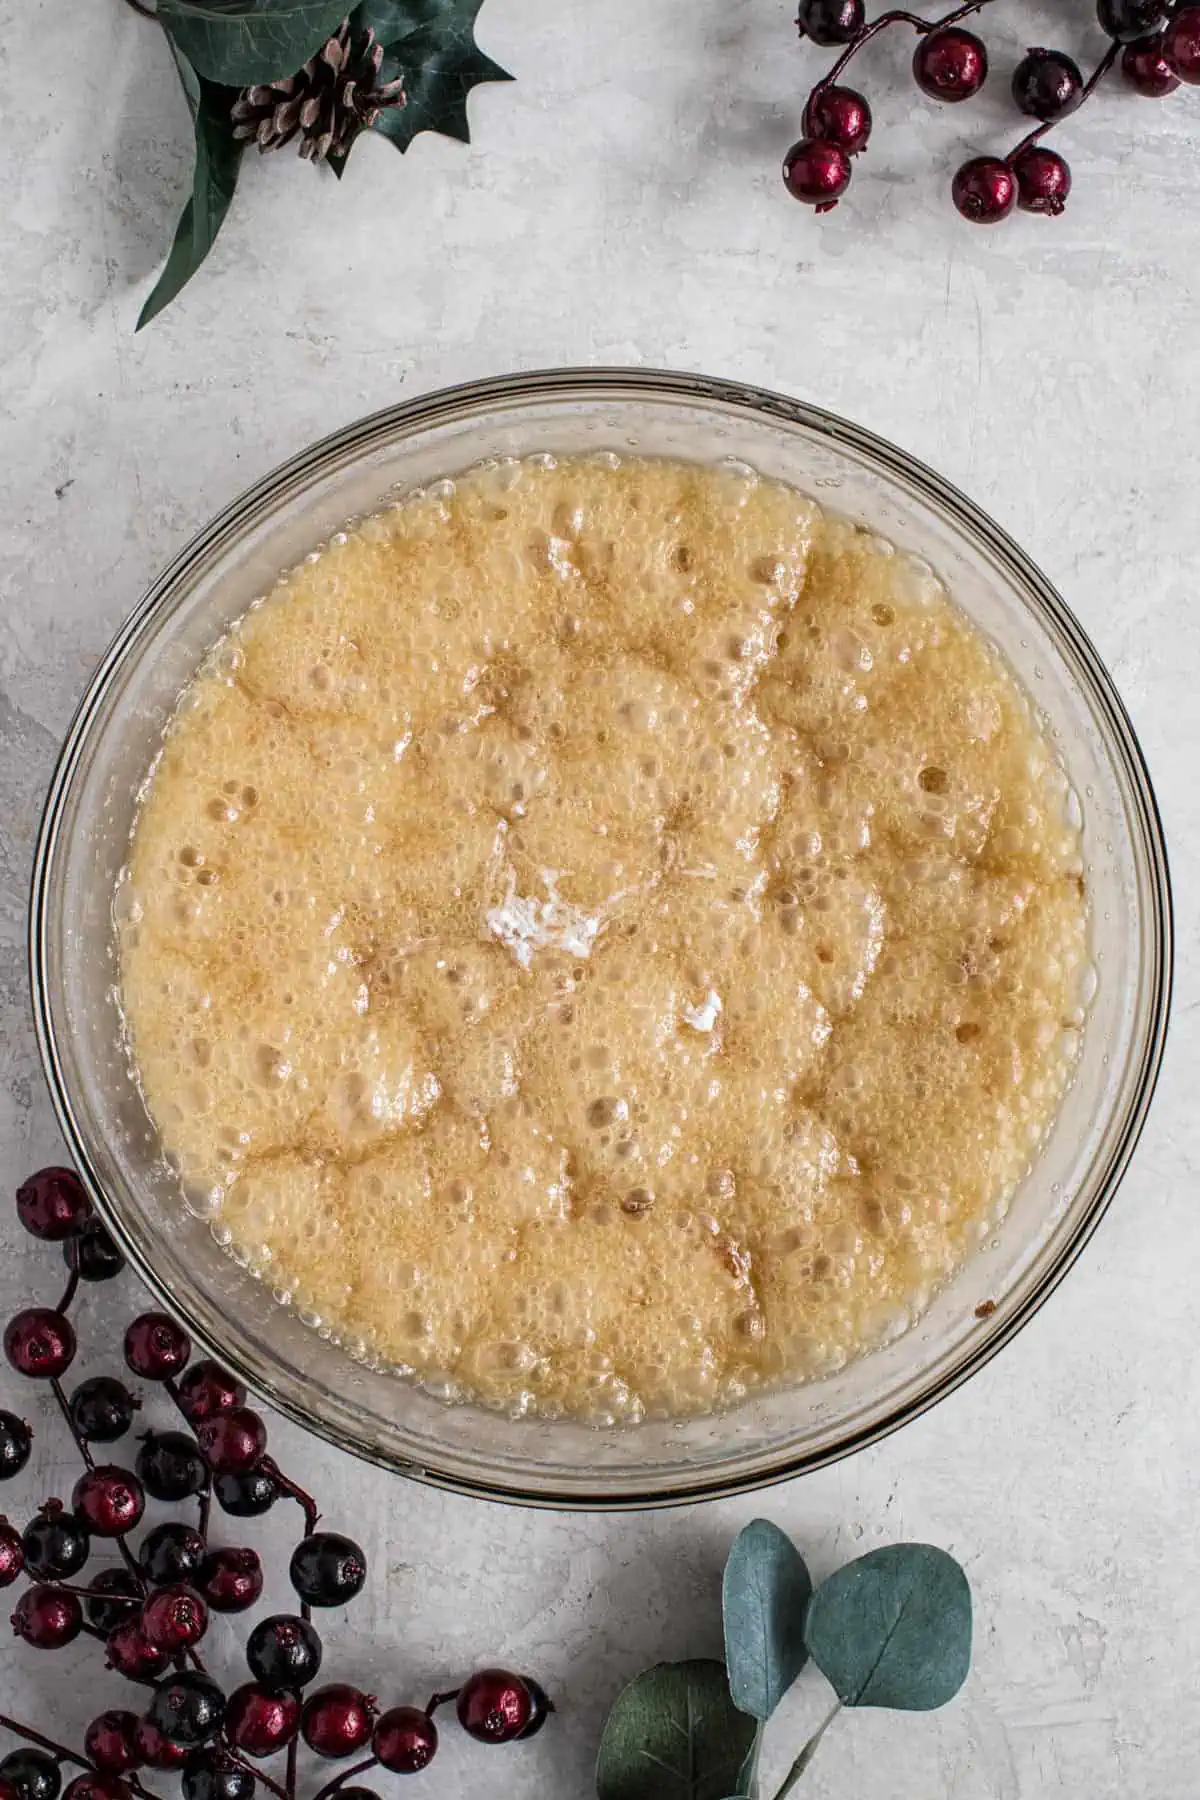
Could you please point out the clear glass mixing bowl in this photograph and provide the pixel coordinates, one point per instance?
(85, 834)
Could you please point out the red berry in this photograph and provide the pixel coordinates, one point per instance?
(16, 1441)
(1181, 45)
(110, 1742)
(53, 1204)
(97, 1787)
(8, 1791)
(232, 1441)
(259, 1723)
(1147, 70)
(337, 1720)
(985, 190)
(156, 1347)
(817, 172)
(840, 116)
(40, 1342)
(111, 1501)
(47, 1618)
(206, 1389)
(231, 1580)
(494, 1706)
(405, 1740)
(1043, 181)
(12, 1553)
(829, 22)
(950, 65)
(129, 1651)
(157, 1751)
(1047, 84)
(174, 1618)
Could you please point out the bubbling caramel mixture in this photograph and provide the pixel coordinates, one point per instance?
(604, 936)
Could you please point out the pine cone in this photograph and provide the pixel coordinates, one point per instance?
(332, 98)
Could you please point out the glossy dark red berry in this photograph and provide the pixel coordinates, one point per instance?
(40, 1342)
(829, 22)
(232, 1442)
(950, 65)
(985, 190)
(494, 1706)
(206, 1389)
(56, 1545)
(7, 1790)
(817, 172)
(841, 116)
(170, 1466)
(258, 1723)
(1126, 20)
(174, 1618)
(102, 1409)
(327, 1569)
(542, 1706)
(110, 1742)
(248, 1495)
(53, 1204)
(1147, 70)
(31, 1773)
(157, 1751)
(231, 1580)
(283, 1651)
(405, 1740)
(1047, 84)
(98, 1787)
(16, 1441)
(171, 1553)
(156, 1348)
(12, 1553)
(1043, 180)
(47, 1618)
(1181, 44)
(213, 1775)
(188, 1708)
(121, 1602)
(337, 1720)
(92, 1254)
(129, 1651)
(109, 1500)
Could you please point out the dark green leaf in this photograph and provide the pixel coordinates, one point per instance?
(894, 1628)
(241, 42)
(218, 156)
(674, 1734)
(765, 1598)
(431, 44)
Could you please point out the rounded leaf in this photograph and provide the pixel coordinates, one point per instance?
(894, 1628)
(765, 1597)
(674, 1734)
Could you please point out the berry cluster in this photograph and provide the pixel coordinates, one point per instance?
(1157, 41)
(152, 1610)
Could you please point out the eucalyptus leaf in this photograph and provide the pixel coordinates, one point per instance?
(894, 1628)
(674, 1734)
(431, 45)
(214, 178)
(244, 42)
(765, 1597)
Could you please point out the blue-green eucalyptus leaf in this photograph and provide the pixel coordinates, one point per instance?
(674, 1734)
(765, 1596)
(894, 1628)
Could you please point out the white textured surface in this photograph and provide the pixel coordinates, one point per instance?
(622, 204)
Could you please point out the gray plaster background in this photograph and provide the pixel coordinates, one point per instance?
(622, 204)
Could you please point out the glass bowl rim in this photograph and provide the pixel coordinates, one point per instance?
(446, 405)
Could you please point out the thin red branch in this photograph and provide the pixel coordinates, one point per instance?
(358, 1768)
(69, 1292)
(1090, 85)
(895, 17)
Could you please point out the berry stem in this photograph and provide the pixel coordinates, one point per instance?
(43, 1743)
(311, 1514)
(89, 1462)
(1093, 81)
(358, 1768)
(259, 1773)
(69, 1292)
(289, 1780)
(895, 17)
(441, 1700)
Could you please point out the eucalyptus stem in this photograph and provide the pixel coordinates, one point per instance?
(806, 1755)
(147, 12)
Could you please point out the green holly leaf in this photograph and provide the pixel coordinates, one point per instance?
(218, 157)
(243, 42)
(431, 45)
(765, 1596)
(674, 1734)
(894, 1628)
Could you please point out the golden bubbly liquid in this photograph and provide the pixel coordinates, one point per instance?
(603, 936)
